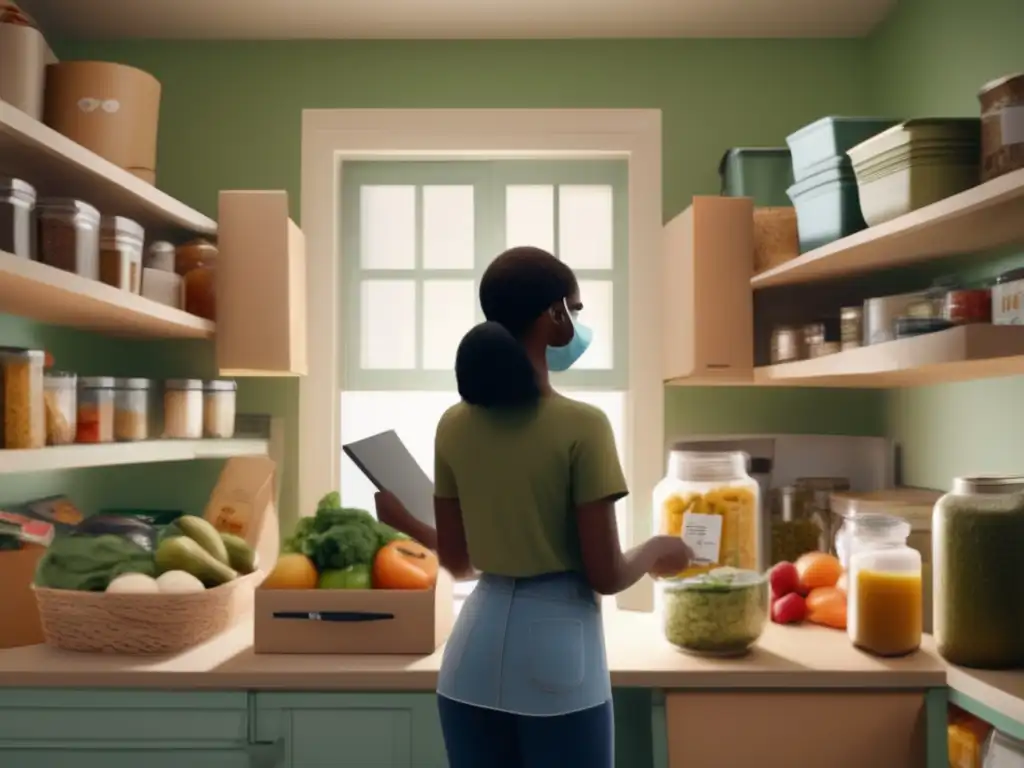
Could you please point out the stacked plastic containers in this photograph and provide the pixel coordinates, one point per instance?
(914, 164)
(825, 189)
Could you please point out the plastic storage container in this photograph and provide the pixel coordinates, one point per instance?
(830, 138)
(95, 409)
(69, 236)
(61, 405)
(979, 573)
(17, 225)
(121, 242)
(827, 204)
(763, 173)
(956, 139)
(719, 613)
(219, 398)
(885, 587)
(183, 409)
(713, 503)
(132, 416)
(21, 398)
(1002, 126)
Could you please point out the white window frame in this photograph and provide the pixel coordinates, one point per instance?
(329, 137)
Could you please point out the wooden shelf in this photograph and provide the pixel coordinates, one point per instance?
(958, 354)
(57, 166)
(41, 292)
(987, 216)
(114, 454)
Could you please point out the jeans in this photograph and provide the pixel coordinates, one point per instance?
(476, 737)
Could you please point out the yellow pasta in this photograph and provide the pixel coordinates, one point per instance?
(738, 509)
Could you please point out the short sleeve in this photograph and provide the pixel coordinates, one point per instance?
(444, 478)
(596, 470)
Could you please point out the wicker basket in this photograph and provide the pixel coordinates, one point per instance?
(141, 624)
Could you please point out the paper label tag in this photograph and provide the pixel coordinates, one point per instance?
(1012, 125)
(703, 534)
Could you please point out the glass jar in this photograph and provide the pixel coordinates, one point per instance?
(21, 398)
(69, 236)
(121, 253)
(713, 504)
(885, 593)
(219, 408)
(95, 409)
(131, 410)
(17, 235)
(60, 398)
(196, 262)
(979, 573)
(796, 527)
(183, 409)
(160, 256)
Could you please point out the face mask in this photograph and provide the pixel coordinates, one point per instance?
(563, 358)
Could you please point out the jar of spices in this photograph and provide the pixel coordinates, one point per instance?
(851, 327)
(17, 231)
(979, 573)
(796, 527)
(69, 236)
(60, 398)
(196, 262)
(183, 409)
(121, 253)
(219, 408)
(24, 418)
(884, 584)
(131, 409)
(95, 409)
(968, 305)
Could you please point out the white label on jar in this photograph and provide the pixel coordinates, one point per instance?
(703, 534)
(1011, 125)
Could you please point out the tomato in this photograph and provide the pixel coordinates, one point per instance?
(790, 609)
(783, 579)
(404, 565)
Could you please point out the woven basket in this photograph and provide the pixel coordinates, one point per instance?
(141, 624)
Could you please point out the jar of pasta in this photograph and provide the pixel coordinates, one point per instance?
(21, 398)
(711, 501)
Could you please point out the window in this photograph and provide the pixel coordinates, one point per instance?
(418, 236)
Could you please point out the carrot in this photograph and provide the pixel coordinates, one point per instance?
(818, 569)
(404, 565)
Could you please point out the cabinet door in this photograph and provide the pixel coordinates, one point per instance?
(127, 755)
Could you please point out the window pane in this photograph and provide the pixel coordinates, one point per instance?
(387, 227)
(449, 310)
(597, 314)
(448, 237)
(585, 226)
(530, 216)
(614, 406)
(387, 325)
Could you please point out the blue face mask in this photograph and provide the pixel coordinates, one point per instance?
(563, 358)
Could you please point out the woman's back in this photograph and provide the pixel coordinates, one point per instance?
(519, 475)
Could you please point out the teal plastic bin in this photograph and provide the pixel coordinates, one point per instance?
(827, 204)
(763, 173)
(830, 137)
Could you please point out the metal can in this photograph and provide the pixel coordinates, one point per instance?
(787, 345)
(851, 327)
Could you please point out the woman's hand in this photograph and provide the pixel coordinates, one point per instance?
(391, 511)
(672, 555)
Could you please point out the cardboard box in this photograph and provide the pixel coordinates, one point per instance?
(20, 624)
(364, 621)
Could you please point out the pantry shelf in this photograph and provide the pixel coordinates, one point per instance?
(41, 292)
(59, 167)
(984, 217)
(113, 454)
(958, 354)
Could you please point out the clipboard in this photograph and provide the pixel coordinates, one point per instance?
(387, 463)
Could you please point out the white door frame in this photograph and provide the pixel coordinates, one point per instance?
(331, 136)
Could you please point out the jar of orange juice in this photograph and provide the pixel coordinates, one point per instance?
(884, 584)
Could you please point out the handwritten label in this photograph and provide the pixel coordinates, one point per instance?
(703, 534)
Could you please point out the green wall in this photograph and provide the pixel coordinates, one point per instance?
(930, 58)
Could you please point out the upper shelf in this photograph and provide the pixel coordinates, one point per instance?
(987, 216)
(56, 165)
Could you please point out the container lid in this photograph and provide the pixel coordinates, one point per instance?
(160, 246)
(133, 383)
(220, 385)
(707, 466)
(913, 504)
(96, 382)
(119, 225)
(881, 122)
(66, 375)
(988, 484)
(18, 189)
(999, 82)
(717, 580)
(31, 354)
(67, 205)
(184, 384)
(1012, 276)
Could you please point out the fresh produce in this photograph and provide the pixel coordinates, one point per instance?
(783, 579)
(118, 525)
(720, 613)
(178, 583)
(181, 553)
(90, 563)
(353, 577)
(241, 556)
(203, 533)
(824, 596)
(818, 569)
(789, 609)
(827, 606)
(133, 584)
(292, 571)
(404, 565)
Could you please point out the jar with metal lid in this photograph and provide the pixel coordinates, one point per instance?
(196, 262)
(796, 525)
(219, 408)
(95, 409)
(885, 595)
(979, 573)
(69, 236)
(131, 409)
(787, 345)
(851, 327)
(160, 256)
(121, 242)
(183, 409)
(17, 227)
(21, 398)
(60, 397)
(711, 501)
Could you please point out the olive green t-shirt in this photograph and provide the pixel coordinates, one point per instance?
(518, 477)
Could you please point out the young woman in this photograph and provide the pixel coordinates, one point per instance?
(525, 486)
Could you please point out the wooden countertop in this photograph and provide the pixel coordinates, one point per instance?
(638, 655)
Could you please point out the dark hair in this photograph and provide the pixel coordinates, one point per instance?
(491, 366)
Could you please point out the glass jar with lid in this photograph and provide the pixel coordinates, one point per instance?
(796, 525)
(95, 409)
(196, 262)
(885, 593)
(979, 573)
(183, 409)
(69, 236)
(711, 501)
(21, 398)
(219, 408)
(60, 400)
(132, 410)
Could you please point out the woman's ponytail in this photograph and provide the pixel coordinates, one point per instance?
(493, 370)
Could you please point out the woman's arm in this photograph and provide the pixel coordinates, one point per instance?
(391, 511)
(452, 549)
